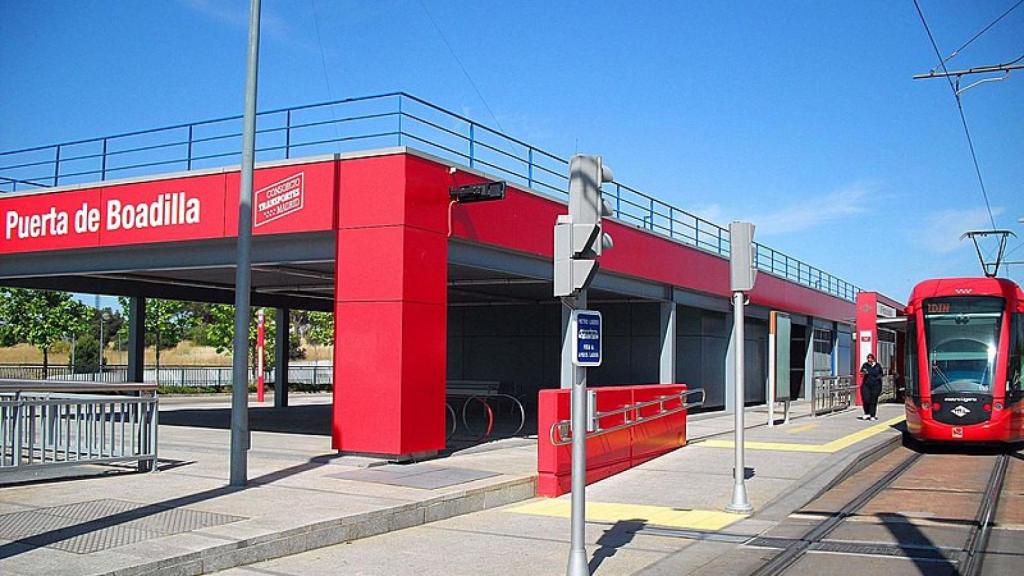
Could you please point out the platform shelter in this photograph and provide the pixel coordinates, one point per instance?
(352, 215)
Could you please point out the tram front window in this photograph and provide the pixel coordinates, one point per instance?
(962, 335)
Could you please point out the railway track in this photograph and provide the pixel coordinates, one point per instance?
(907, 513)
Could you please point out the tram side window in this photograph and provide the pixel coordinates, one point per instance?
(910, 359)
(1016, 367)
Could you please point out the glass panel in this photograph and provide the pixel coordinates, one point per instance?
(962, 336)
(910, 364)
(1014, 371)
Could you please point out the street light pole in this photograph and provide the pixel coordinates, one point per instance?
(240, 348)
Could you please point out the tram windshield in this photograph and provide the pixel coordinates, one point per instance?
(962, 335)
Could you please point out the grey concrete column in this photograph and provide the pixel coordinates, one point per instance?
(667, 361)
(283, 323)
(136, 338)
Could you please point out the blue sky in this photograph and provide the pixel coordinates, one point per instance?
(800, 116)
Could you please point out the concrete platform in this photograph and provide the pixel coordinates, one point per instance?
(185, 520)
(664, 517)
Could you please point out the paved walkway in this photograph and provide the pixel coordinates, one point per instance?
(399, 519)
(663, 517)
(184, 520)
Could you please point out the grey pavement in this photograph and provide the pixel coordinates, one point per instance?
(185, 520)
(698, 477)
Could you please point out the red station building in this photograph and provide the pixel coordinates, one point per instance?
(424, 291)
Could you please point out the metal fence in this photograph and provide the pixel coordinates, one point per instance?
(831, 394)
(190, 376)
(54, 424)
(373, 121)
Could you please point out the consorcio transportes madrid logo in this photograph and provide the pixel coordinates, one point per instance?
(279, 199)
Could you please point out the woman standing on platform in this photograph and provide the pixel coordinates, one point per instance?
(871, 387)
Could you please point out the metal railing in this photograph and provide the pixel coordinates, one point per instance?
(831, 394)
(889, 391)
(180, 376)
(374, 121)
(54, 424)
(560, 433)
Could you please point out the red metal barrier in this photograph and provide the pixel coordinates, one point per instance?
(611, 453)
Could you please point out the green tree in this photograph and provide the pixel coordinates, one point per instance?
(87, 355)
(166, 322)
(40, 318)
(318, 327)
(221, 332)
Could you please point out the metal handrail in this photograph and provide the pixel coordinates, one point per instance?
(52, 424)
(831, 393)
(563, 428)
(452, 135)
(18, 385)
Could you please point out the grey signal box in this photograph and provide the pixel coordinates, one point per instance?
(742, 272)
(579, 238)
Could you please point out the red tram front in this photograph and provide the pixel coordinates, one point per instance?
(963, 364)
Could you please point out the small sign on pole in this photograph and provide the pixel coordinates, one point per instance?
(586, 335)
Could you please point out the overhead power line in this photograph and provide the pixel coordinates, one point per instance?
(980, 32)
(323, 64)
(960, 109)
(459, 62)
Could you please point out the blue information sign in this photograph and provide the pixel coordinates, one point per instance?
(586, 333)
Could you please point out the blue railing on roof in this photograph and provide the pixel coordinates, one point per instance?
(373, 121)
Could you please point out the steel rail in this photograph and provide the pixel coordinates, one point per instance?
(789, 555)
(971, 559)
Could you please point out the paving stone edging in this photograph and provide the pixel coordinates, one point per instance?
(829, 472)
(337, 531)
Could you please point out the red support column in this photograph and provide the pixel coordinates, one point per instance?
(866, 333)
(390, 307)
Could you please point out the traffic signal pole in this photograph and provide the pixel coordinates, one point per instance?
(742, 275)
(579, 240)
(578, 562)
(739, 502)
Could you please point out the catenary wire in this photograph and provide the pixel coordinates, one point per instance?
(982, 31)
(323, 63)
(459, 62)
(960, 109)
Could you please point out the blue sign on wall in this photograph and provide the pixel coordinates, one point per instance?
(586, 333)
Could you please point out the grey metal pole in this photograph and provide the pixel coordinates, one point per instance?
(578, 564)
(240, 349)
(740, 503)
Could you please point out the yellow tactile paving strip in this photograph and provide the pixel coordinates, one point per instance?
(711, 520)
(827, 448)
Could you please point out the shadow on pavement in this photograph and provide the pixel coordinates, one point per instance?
(312, 419)
(920, 549)
(620, 534)
(66, 533)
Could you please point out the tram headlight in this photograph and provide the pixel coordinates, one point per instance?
(997, 405)
(926, 405)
